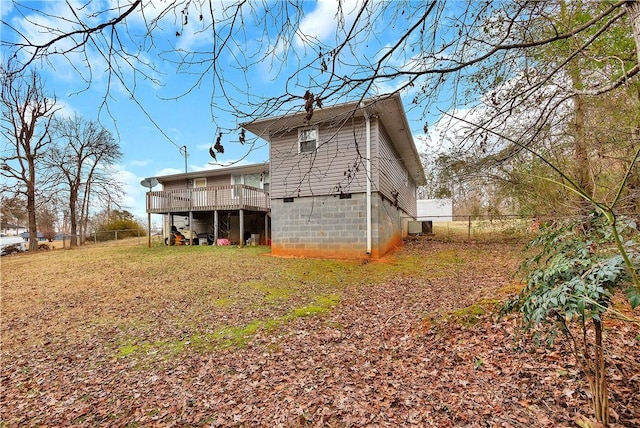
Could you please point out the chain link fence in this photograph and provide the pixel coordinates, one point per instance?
(463, 228)
(115, 235)
(64, 240)
(484, 228)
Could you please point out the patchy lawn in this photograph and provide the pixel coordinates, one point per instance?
(115, 335)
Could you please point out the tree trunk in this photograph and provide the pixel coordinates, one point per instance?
(584, 178)
(84, 209)
(633, 181)
(73, 200)
(633, 9)
(31, 210)
(31, 201)
(598, 378)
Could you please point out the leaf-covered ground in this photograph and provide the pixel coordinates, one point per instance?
(132, 337)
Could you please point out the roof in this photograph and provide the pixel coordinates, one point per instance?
(13, 226)
(388, 109)
(255, 168)
(26, 235)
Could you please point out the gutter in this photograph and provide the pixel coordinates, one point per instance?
(369, 178)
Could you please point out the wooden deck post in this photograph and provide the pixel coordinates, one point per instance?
(215, 227)
(266, 228)
(241, 228)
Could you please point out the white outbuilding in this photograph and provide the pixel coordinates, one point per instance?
(435, 210)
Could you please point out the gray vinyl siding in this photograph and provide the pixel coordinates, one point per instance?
(334, 166)
(393, 176)
(173, 185)
(375, 159)
(221, 180)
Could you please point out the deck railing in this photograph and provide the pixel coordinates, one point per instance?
(230, 197)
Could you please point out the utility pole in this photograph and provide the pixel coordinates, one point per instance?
(186, 181)
(184, 149)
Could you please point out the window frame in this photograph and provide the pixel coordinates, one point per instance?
(196, 180)
(308, 140)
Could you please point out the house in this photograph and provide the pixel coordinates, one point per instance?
(340, 184)
(13, 230)
(343, 184)
(39, 235)
(230, 204)
(435, 210)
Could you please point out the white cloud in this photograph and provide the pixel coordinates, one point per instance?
(168, 171)
(193, 24)
(139, 162)
(40, 27)
(65, 110)
(134, 199)
(205, 167)
(446, 131)
(84, 66)
(222, 164)
(5, 8)
(322, 22)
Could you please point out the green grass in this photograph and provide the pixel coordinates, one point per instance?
(504, 229)
(228, 335)
(467, 316)
(472, 314)
(321, 305)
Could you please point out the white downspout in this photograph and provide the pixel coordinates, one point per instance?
(369, 178)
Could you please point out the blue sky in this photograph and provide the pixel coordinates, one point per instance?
(188, 120)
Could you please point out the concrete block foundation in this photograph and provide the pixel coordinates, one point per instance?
(329, 227)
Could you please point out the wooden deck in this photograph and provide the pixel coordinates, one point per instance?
(231, 197)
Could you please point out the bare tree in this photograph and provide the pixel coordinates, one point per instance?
(545, 94)
(432, 44)
(439, 51)
(27, 114)
(530, 66)
(47, 220)
(82, 152)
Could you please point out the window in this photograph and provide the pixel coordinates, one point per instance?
(260, 181)
(252, 180)
(307, 140)
(199, 182)
(236, 179)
